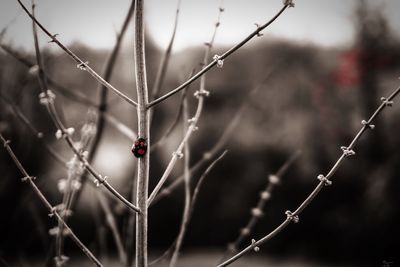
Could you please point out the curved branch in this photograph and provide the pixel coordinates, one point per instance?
(81, 64)
(324, 181)
(219, 59)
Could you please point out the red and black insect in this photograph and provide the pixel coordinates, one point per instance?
(139, 147)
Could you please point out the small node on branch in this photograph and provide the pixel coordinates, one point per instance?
(34, 70)
(100, 180)
(273, 179)
(70, 131)
(201, 93)
(59, 134)
(368, 124)
(192, 120)
(324, 180)
(52, 211)
(177, 154)
(231, 247)
(221, 9)
(253, 245)
(256, 212)
(265, 195)
(53, 38)
(245, 231)
(347, 152)
(83, 65)
(6, 143)
(288, 3)
(28, 178)
(55, 231)
(259, 34)
(220, 62)
(292, 217)
(207, 44)
(61, 260)
(387, 102)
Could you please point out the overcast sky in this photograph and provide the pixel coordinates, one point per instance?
(94, 22)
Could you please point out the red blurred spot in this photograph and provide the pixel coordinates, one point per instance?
(346, 72)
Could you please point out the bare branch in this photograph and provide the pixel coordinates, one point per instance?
(52, 210)
(47, 99)
(143, 115)
(218, 60)
(39, 135)
(81, 64)
(208, 155)
(324, 180)
(162, 69)
(186, 173)
(200, 94)
(257, 212)
(107, 77)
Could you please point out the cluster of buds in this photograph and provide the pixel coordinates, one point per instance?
(288, 3)
(201, 93)
(220, 62)
(46, 98)
(83, 65)
(67, 132)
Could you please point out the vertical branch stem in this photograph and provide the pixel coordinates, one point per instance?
(143, 132)
(186, 173)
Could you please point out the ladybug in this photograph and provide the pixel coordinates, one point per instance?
(139, 147)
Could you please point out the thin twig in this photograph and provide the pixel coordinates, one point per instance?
(162, 69)
(218, 59)
(186, 173)
(47, 99)
(324, 181)
(192, 204)
(120, 127)
(210, 154)
(257, 212)
(81, 64)
(200, 94)
(71, 94)
(173, 124)
(35, 132)
(112, 224)
(108, 71)
(52, 210)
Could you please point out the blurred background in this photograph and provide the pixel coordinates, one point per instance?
(320, 69)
